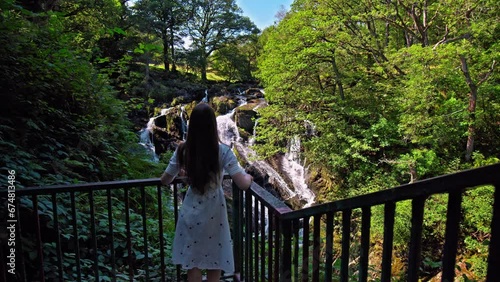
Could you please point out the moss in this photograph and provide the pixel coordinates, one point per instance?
(223, 104)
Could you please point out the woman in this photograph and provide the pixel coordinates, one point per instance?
(202, 239)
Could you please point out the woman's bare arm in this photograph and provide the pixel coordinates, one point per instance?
(243, 180)
(166, 178)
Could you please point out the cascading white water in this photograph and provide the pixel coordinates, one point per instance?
(184, 124)
(146, 139)
(205, 99)
(228, 133)
(296, 172)
(291, 168)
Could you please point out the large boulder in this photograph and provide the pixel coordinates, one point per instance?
(245, 118)
(223, 104)
(167, 130)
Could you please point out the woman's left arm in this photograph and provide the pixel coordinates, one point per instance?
(166, 178)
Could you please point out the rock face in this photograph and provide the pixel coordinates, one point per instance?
(223, 104)
(254, 93)
(170, 127)
(167, 130)
(245, 119)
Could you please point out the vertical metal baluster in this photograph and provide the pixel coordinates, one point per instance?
(316, 246)
(305, 250)
(365, 243)
(451, 236)
(295, 240)
(111, 234)
(256, 236)
(58, 236)
(329, 247)
(160, 232)
(145, 230)
(277, 247)
(38, 238)
(93, 234)
(176, 217)
(19, 242)
(270, 234)
(346, 240)
(493, 273)
(242, 233)
(75, 236)
(248, 258)
(389, 213)
(417, 218)
(236, 228)
(129, 235)
(286, 251)
(262, 241)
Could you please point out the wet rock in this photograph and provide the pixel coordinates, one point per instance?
(223, 104)
(254, 93)
(245, 119)
(167, 130)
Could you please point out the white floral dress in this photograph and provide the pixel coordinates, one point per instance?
(202, 238)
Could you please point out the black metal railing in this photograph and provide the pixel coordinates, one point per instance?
(275, 243)
(99, 230)
(127, 233)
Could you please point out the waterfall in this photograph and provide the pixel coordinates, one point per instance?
(295, 171)
(146, 134)
(310, 128)
(289, 182)
(146, 139)
(229, 134)
(228, 131)
(184, 124)
(165, 111)
(251, 141)
(205, 99)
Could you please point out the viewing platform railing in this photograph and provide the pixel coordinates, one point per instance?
(127, 237)
(298, 245)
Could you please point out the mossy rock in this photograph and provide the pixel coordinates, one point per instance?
(223, 104)
(245, 118)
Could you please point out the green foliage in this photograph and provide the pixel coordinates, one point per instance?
(215, 24)
(51, 90)
(387, 109)
(230, 63)
(103, 236)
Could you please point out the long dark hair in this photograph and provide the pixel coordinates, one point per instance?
(199, 155)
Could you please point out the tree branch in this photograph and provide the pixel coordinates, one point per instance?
(487, 75)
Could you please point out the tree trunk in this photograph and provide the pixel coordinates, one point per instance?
(172, 49)
(471, 132)
(387, 25)
(204, 69)
(338, 77)
(204, 61)
(166, 45)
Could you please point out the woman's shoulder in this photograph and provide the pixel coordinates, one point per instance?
(223, 149)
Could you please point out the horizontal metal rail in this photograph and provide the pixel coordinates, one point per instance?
(272, 242)
(52, 244)
(276, 243)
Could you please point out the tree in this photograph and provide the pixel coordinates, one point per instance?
(214, 24)
(420, 90)
(237, 61)
(165, 19)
